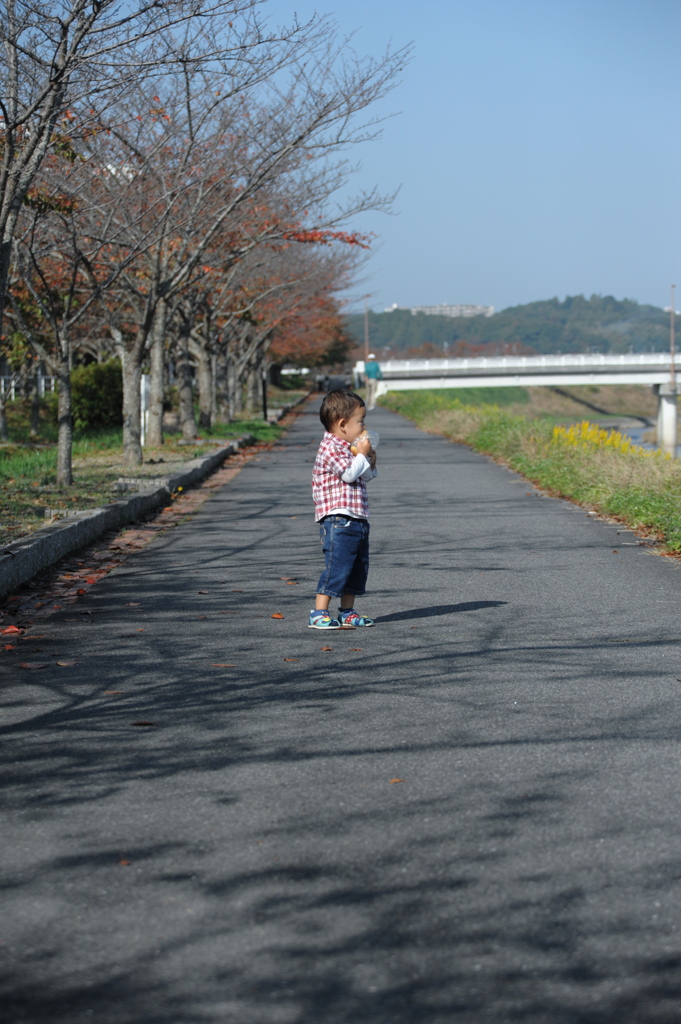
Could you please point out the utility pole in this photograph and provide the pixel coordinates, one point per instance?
(672, 340)
(366, 327)
(667, 413)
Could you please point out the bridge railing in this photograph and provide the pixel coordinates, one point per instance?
(528, 364)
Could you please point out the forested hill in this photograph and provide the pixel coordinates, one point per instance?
(600, 323)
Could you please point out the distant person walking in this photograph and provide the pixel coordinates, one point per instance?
(372, 372)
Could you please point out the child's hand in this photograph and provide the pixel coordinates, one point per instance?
(363, 446)
(372, 458)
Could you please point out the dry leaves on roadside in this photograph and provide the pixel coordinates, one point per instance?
(277, 615)
(396, 780)
(326, 648)
(220, 664)
(66, 664)
(291, 659)
(33, 664)
(13, 630)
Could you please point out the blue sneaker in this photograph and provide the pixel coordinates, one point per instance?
(322, 620)
(349, 617)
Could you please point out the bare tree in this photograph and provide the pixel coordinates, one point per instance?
(65, 60)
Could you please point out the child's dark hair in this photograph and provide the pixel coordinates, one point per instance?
(338, 405)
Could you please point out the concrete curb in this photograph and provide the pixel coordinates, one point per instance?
(23, 558)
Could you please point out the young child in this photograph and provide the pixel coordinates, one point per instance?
(341, 509)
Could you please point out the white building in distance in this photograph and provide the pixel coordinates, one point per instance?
(445, 309)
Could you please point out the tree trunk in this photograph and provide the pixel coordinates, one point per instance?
(236, 391)
(213, 388)
(155, 427)
(184, 390)
(65, 425)
(4, 433)
(132, 371)
(205, 381)
(250, 384)
(222, 402)
(35, 405)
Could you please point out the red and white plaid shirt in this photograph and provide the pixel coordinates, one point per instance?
(328, 490)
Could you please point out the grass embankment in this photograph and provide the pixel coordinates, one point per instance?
(595, 467)
(28, 471)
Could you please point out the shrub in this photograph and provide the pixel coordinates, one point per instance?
(97, 395)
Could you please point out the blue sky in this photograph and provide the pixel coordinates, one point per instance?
(537, 145)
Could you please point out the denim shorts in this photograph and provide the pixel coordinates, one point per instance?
(346, 553)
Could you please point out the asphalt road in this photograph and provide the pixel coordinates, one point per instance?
(250, 858)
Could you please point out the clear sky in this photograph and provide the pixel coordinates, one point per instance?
(537, 146)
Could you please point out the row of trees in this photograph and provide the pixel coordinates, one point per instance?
(175, 188)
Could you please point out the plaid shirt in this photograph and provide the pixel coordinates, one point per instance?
(328, 490)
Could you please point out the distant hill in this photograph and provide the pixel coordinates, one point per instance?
(598, 324)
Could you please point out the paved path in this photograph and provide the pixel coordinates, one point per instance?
(250, 859)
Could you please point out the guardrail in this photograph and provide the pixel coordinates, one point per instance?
(9, 386)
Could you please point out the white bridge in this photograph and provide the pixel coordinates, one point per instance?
(651, 368)
(529, 371)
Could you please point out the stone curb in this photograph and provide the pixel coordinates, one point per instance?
(23, 558)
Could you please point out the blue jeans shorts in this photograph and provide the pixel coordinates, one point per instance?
(346, 553)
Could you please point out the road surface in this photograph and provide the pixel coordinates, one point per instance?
(469, 813)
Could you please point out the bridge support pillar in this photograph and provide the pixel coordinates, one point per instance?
(667, 418)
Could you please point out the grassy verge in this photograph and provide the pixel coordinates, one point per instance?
(28, 472)
(595, 467)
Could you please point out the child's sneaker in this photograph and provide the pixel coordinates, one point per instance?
(322, 620)
(349, 617)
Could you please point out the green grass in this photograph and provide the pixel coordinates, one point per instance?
(639, 488)
(28, 472)
(415, 404)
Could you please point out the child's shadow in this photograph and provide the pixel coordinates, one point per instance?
(440, 609)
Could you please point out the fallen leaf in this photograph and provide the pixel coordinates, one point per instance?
(91, 579)
(355, 648)
(614, 551)
(143, 723)
(11, 629)
(139, 631)
(33, 664)
(201, 591)
(396, 780)
(326, 648)
(66, 664)
(292, 583)
(114, 691)
(124, 863)
(291, 659)
(277, 615)
(220, 664)
(58, 607)
(133, 604)
(237, 591)
(81, 591)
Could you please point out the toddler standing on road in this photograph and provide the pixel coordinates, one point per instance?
(339, 491)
